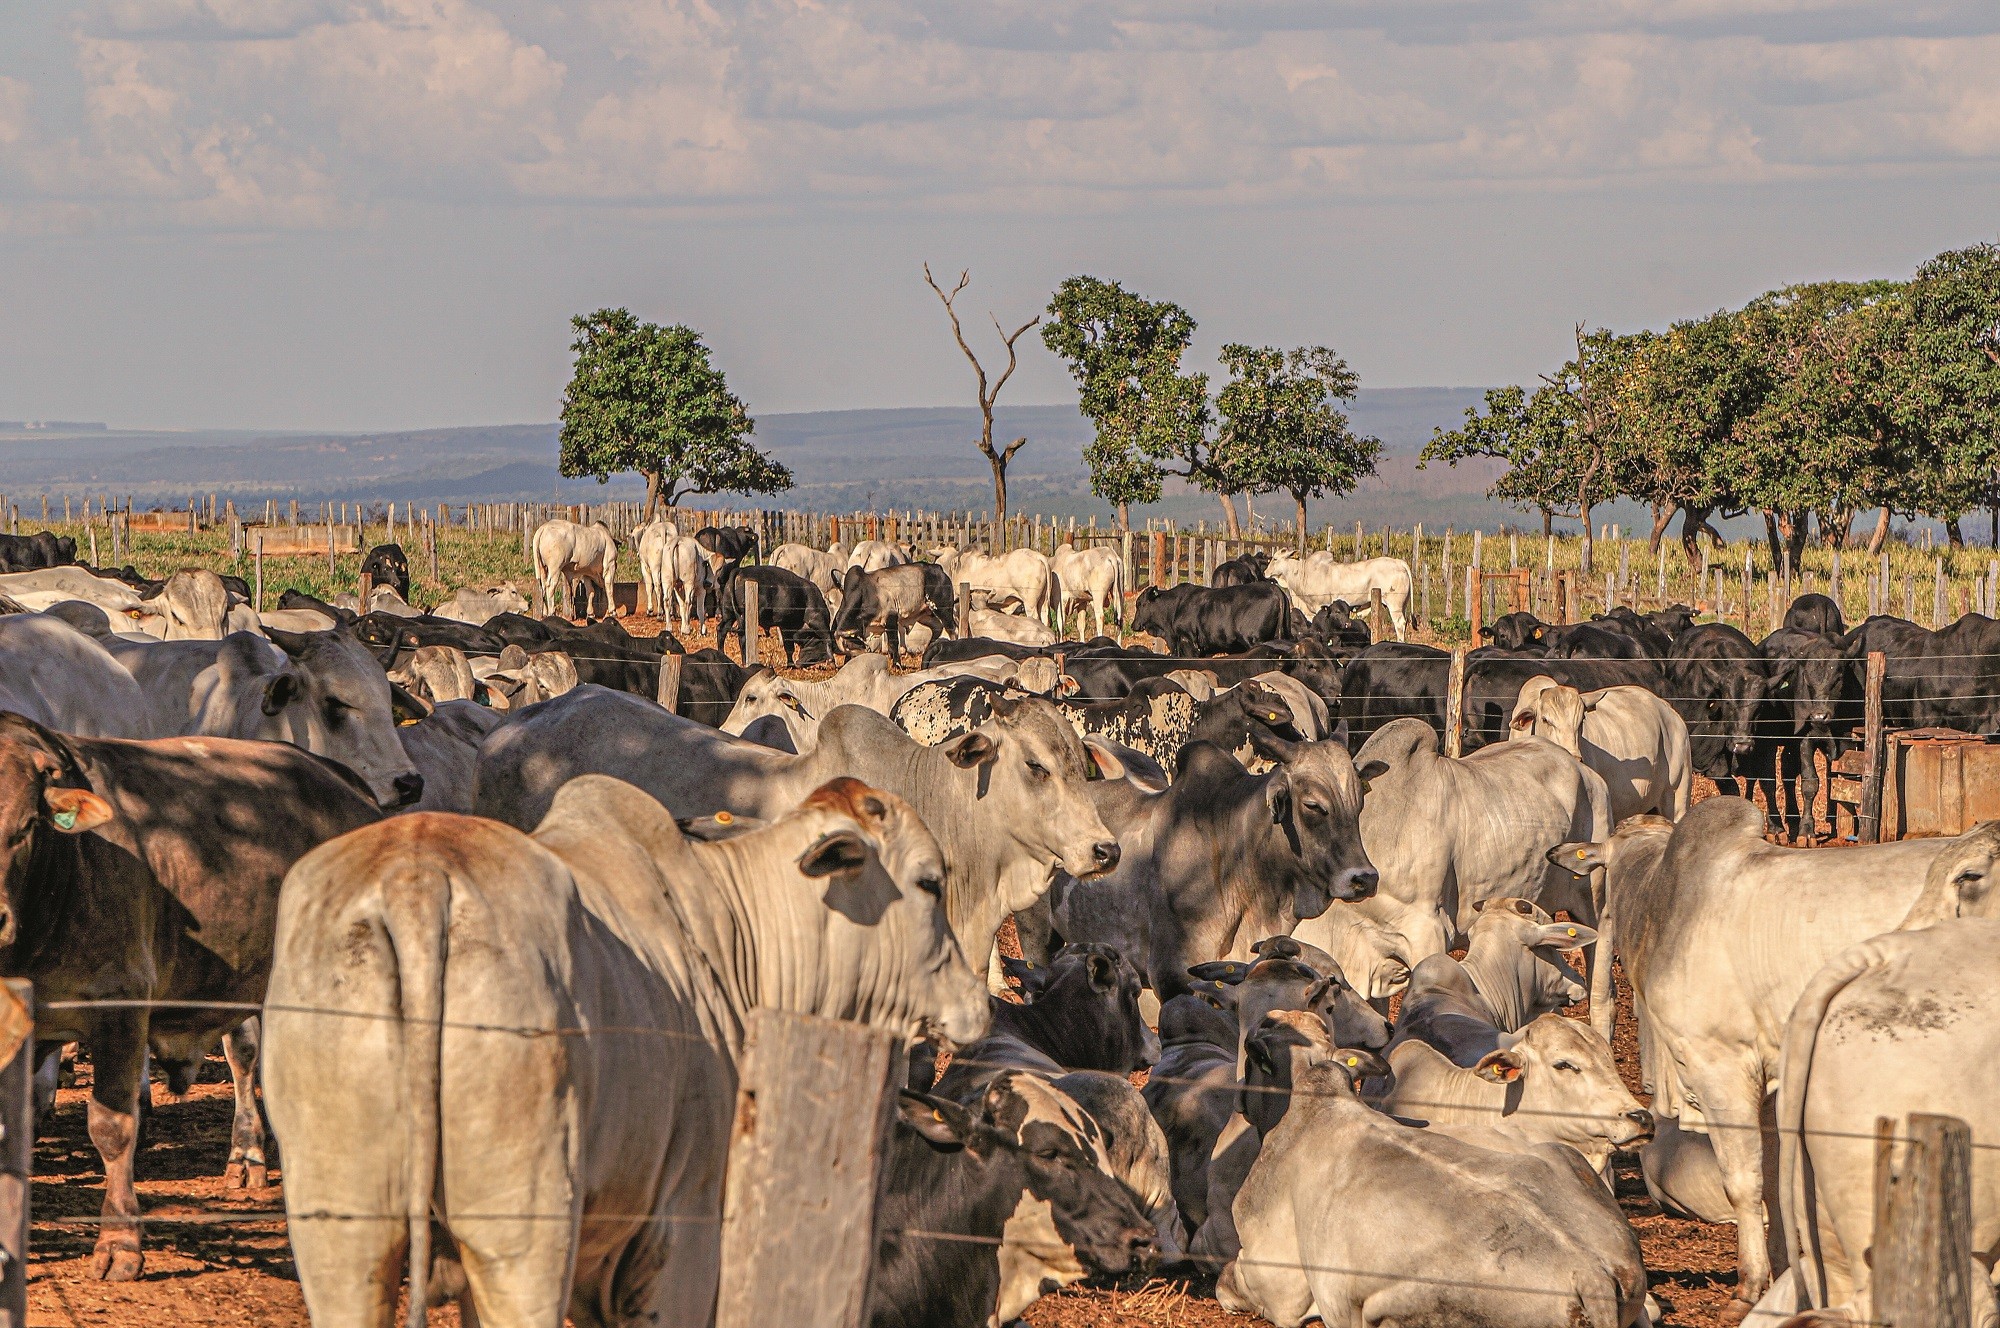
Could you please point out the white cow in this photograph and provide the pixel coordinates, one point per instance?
(1023, 574)
(1317, 580)
(47, 586)
(1090, 579)
(477, 606)
(1374, 957)
(872, 555)
(649, 544)
(64, 680)
(444, 746)
(673, 569)
(1636, 742)
(1455, 1233)
(566, 552)
(1903, 1023)
(1684, 904)
(599, 1196)
(1010, 627)
(825, 570)
(1446, 833)
(864, 680)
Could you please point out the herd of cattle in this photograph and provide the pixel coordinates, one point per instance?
(504, 914)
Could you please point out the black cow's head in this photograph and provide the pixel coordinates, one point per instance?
(1314, 798)
(1516, 631)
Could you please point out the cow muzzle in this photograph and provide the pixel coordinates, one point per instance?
(1356, 883)
(1741, 746)
(408, 791)
(1642, 1126)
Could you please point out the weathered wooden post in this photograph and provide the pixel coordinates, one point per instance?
(17, 1145)
(1377, 629)
(751, 629)
(964, 609)
(1475, 601)
(257, 601)
(1868, 820)
(1157, 558)
(669, 691)
(1922, 1250)
(1454, 705)
(367, 589)
(815, 1101)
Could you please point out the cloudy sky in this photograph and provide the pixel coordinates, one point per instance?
(380, 213)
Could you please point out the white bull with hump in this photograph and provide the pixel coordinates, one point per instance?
(1022, 574)
(1008, 801)
(1315, 581)
(1685, 903)
(1090, 580)
(597, 1196)
(1637, 743)
(566, 553)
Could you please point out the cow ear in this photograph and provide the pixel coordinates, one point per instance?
(836, 854)
(406, 707)
(1271, 747)
(1228, 972)
(1277, 793)
(942, 1123)
(1103, 970)
(1565, 935)
(834, 576)
(1370, 771)
(292, 643)
(1479, 905)
(280, 692)
(1539, 633)
(1321, 990)
(970, 750)
(1524, 721)
(73, 810)
(1499, 1067)
(1579, 858)
(1361, 1063)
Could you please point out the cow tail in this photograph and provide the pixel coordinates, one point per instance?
(1795, 1060)
(418, 917)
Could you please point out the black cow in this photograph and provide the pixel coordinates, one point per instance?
(1082, 1013)
(955, 1179)
(730, 543)
(1949, 678)
(1245, 569)
(1591, 640)
(298, 599)
(1196, 621)
(1801, 717)
(387, 565)
(31, 553)
(1108, 672)
(785, 601)
(1394, 680)
(1335, 625)
(383, 632)
(1815, 612)
(1718, 682)
(143, 872)
(1520, 632)
(1654, 639)
(710, 684)
(887, 600)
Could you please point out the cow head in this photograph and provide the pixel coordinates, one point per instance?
(1283, 980)
(1314, 797)
(1293, 1048)
(1810, 680)
(1517, 631)
(1147, 615)
(1032, 767)
(1519, 935)
(1097, 990)
(1561, 1069)
(889, 954)
(331, 697)
(43, 795)
(1961, 882)
(1548, 709)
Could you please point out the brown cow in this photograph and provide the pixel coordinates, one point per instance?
(149, 872)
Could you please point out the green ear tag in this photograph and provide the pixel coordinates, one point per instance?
(65, 820)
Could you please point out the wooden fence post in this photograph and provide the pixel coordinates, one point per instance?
(814, 1105)
(1377, 630)
(1922, 1253)
(17, 1145)
(1868, 819)
(257, 600)
(668, 693)
(1475, 600)
(1454, 704)
(751, 630)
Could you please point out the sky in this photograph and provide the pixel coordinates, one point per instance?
(378, 214)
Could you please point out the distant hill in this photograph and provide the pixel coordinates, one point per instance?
(843, 460)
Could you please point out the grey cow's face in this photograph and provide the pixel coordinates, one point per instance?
(1315, 797)
(333, 699)
(1030, 760)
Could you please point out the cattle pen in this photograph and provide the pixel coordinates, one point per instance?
(806, 1144)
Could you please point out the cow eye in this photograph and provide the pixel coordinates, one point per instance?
(1317, 809)
(1571, 1066)
(336, 708)
(1049, 1154)
(931, 886)
(1038, 770)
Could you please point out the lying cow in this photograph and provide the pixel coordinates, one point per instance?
(606, 917)
(149, 872)
(1512, 974)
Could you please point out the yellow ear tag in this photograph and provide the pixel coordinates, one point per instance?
(723, 818)
(65, 820)
(1571, 931)
(936, 1115)
(1353, 1061)
(1582, 853)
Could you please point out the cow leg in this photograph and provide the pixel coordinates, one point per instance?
(1033, 927)
(1730, 1092)
(48, 1076)
(1807, 759)
(118, 1059)
(247, 1168)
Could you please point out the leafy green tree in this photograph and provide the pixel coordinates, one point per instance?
(1125, 353)
(646, 398)
(1283, 428)
(1951, 401)
(1679, 400)
(987, 395)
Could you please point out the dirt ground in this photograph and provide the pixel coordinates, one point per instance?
(220, 1257)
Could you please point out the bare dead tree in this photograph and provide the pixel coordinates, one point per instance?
(997, 459)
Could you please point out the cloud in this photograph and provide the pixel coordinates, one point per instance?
(318, 112)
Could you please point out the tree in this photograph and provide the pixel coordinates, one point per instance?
(1282, 428)
(646, 398)
(998, 460)
(1951, 400)
(1125, 352)
(1680, 399)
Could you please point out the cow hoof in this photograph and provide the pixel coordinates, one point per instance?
(117, 1265)
(232, 1176)
(260, 1176)
(1734, 1313)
